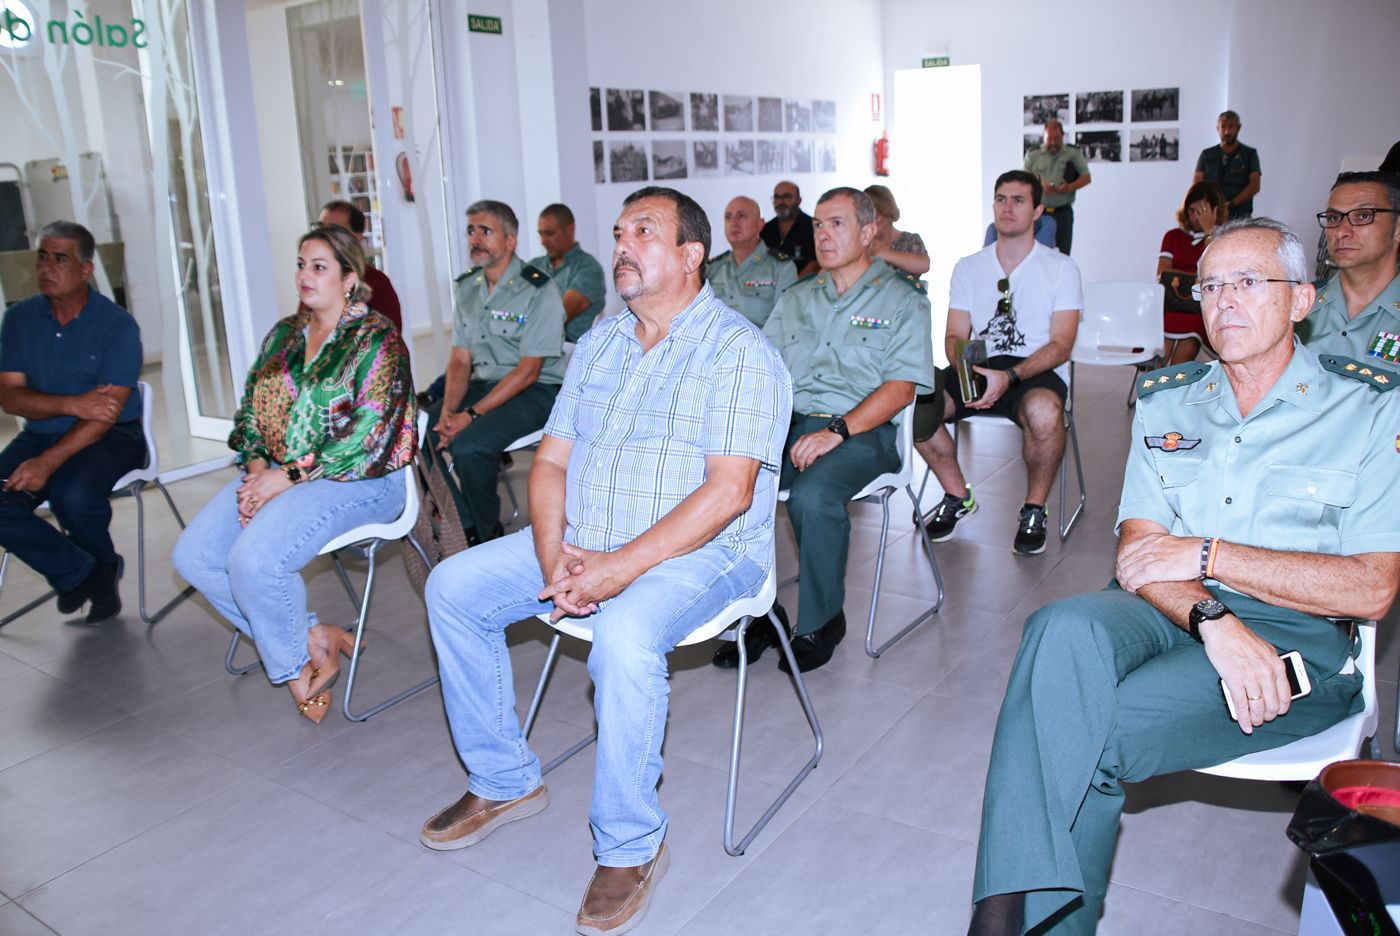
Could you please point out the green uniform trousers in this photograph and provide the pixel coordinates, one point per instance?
(816, 505)
(1105, 689)
(476, 451)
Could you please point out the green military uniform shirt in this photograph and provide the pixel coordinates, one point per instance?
(840, 349)
(752, 287)
(1312, 468)
(579, 271)
(1373, 336)
(1052, 169)
(522, 317)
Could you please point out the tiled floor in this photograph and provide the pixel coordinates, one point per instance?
(145, 791)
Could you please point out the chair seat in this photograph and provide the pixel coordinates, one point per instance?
(1304, 758)
(753, 606)
(527, 441)
(1111, 356)
(395, 530)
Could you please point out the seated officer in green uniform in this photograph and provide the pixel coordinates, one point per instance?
(855, 338)
(1258, 503)
(506, 365)
(749, 276)
(1063, 170)
(577, 275)
(1357, 313)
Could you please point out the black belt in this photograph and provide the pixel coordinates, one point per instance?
(1347, 626)
(1050, 211)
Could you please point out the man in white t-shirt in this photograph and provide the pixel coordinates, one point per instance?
(1023, 299)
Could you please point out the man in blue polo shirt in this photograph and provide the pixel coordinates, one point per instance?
(69, 361)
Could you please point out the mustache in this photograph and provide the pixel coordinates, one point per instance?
(625, 264)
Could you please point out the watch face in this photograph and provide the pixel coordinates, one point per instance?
(1209, 608)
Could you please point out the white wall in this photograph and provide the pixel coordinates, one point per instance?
(1311, 82)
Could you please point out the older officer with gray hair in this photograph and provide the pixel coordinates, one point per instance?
(1258, 516)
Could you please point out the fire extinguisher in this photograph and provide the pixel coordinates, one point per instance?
(882, 155)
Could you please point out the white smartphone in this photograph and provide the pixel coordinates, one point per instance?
(1298, 683)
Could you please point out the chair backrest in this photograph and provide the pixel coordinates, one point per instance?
(1120, 319)
(151, 469)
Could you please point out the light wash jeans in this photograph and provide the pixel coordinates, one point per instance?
(475, 595)
(252, 575)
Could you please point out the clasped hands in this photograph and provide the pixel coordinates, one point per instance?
(580, 579)
(449, 425)
(259, 486)
(1249, 665)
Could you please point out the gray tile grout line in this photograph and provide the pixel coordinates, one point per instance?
(1187, 903)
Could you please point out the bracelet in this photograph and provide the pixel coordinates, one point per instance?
(1207, 544)
(1210, 559)
(1013, 377)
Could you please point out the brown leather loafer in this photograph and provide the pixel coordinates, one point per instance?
(471, 819)
(617, 898)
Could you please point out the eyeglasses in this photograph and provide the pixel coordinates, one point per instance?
(1356, 217)
(1004, 303)
(1211, 290)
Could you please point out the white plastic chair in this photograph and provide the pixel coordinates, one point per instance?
(365, 539)
(881, 489)
(1304, 759)
(130, 485)
(524, 442)
(1121, 324)
(745, 610)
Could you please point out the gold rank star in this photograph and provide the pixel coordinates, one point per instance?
(1210, 387)
(1302, 388)
(1181, 376)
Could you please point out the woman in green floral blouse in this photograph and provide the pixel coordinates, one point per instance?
(327, 421)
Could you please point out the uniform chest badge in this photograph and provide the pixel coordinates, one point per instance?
(1171, 442)
(865, 321)
(751, 284)
(1386, 346)
(501, 315)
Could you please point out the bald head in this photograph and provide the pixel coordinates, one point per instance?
(786, 200)
(742, 223)
(1054, 135)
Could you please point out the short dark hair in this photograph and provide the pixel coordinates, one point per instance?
(1207, 191)
(864, 205)
(1231, 114)
(1391, 163)
(559, 213)
(1390, 181)
(75, 232)
(353, 215)
(694, 226)
(498, 210)
(1025, 178)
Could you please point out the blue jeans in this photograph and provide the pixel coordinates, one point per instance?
(475, 595)
(252, 575)
(79, 494)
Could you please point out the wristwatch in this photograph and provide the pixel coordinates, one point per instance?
(294, 473)
(838, 426)
(471, 411)
(1014, 377)
(1207, 609)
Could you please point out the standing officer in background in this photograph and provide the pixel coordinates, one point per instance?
(577, 275)
(1357, 314)
(749, 276)
(855, 338)
(506, 365)
(1258, 516)
(1063, 171)
(1231, 165)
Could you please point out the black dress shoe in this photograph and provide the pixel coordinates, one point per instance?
(77, 596)
(106, 597)
(757, 638)
(814, 649)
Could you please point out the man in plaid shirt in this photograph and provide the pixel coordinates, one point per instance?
(651, 505)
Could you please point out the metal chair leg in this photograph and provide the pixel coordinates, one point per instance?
(135, 492)
(731, 793)
(228, 658)
(510, 492)
(546, 672)
(871, 650)
(1067, 524)
(345, 706)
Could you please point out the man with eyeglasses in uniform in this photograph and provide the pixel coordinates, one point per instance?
(790, 231)
(1023, 299)
(1257, 517)
(1357, 313)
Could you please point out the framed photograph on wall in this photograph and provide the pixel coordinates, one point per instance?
(1100, 145)
(706, 157)
(599, 170)
(826, 155)
(738, 157)
(797, 116)
(626, 111)
(738, 113)
(770, 115)
(1156, 104)
(1038, 108)
(704, 111)
(824, 116)
(628, 161)
(772, 156)
(1091, 107)
(667, 159)
(595, 109)
(1157, 145)
(1031, 142)
(667, 110)
(800, 156)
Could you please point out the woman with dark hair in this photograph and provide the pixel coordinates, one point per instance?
(1203, 209)
(327, 421)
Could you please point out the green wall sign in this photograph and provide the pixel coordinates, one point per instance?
(484, 24)
(937, 61)
(77, 31)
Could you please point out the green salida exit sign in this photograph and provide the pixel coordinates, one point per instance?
(484, 24)
(937, 61)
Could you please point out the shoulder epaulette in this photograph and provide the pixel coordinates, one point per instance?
(472, 272)
(534, 275)
(911, 279)
(1179, 375)
(807, 278)
(777, 254)
(1377, 378)
(719, 257)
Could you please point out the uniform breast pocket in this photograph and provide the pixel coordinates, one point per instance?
(504, 328)
(876, 338)
(1307, 494)
(1179, 476)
